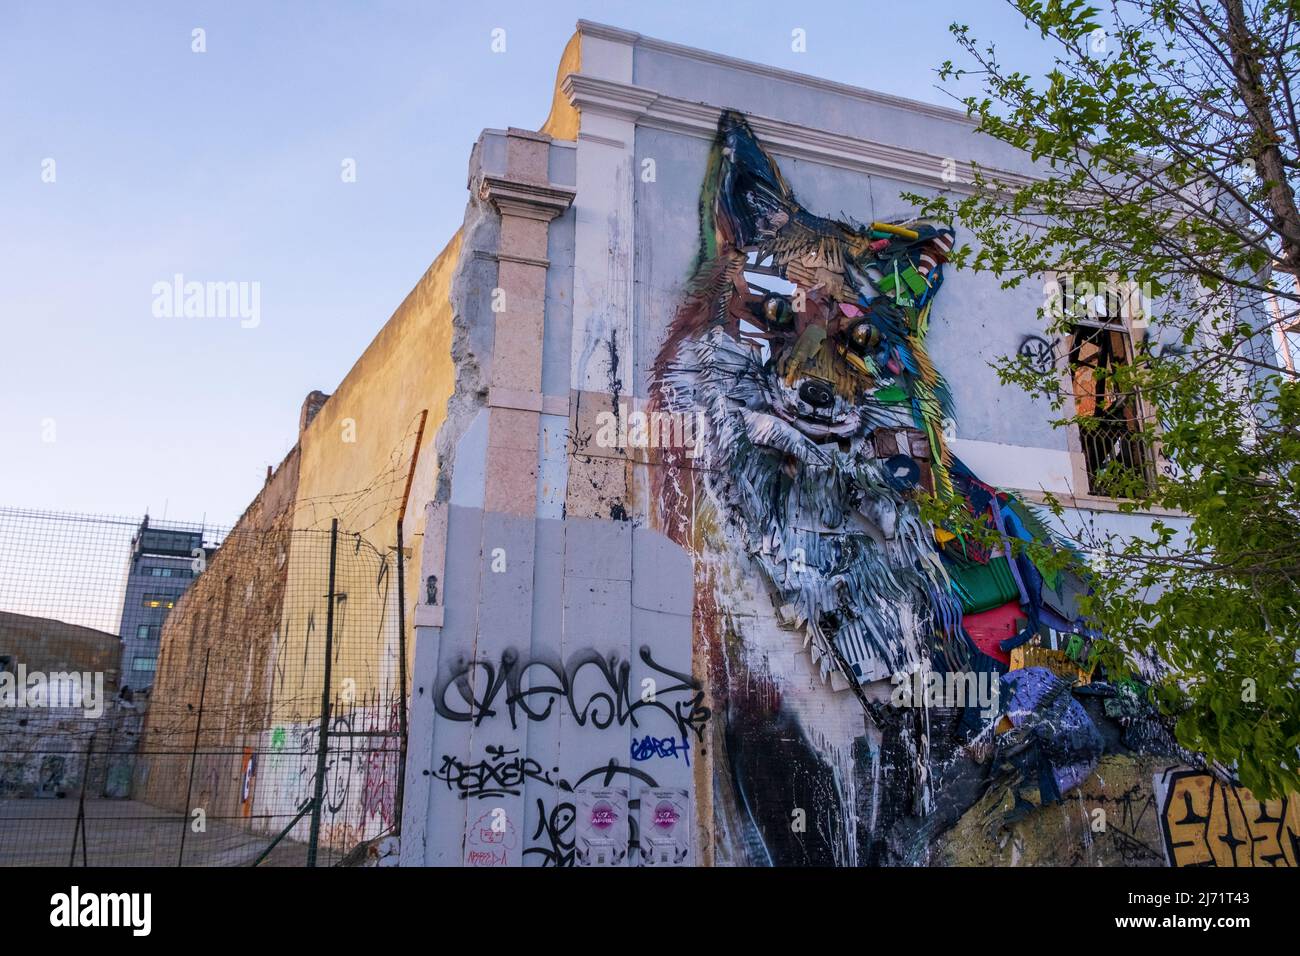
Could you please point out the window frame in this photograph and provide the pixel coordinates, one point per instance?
(1130, 321)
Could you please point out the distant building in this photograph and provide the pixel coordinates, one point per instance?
(46, 742)
(162, 568)
(49, 646)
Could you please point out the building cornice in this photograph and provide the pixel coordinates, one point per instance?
(617, 35)
(514, 197)
(655, 110)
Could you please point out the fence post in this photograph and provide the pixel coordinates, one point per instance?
(314, 840)
(401, 678)
(194, 753)
(401, 626)
(80, 825)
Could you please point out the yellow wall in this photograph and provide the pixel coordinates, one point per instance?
(563, 121)
(404, 371)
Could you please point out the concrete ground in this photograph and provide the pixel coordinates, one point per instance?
(39, 832)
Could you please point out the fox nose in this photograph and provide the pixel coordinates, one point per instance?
(817, 394)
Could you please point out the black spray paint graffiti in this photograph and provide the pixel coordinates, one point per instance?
(1038, 352)
(503, 773)
(549, 680)
(354, 754)
(557, 828)
(554, 836)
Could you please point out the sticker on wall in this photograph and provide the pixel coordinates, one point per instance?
(248, 776)
(664, 825)
(603, 834)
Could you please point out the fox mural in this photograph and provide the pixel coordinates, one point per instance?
(801, 343)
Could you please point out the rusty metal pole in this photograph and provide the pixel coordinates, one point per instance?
(319, 797)
(401, 679)
(401, 626)
(80, 826)
(194, 753)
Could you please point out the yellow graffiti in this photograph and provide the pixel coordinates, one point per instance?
(1209, 823)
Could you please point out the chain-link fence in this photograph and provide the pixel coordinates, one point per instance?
(175, 695)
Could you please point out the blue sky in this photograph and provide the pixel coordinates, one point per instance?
(225, 166)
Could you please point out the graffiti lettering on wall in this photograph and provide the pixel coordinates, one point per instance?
(553, 838)
(1127, 819)
(360, 783)
(668, 748)
(530, 687)
(503, 773)
(379, 770)
(1209, 823)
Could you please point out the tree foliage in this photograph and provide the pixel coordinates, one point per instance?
(1167, 138)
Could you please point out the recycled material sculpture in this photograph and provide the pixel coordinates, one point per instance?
(802, 340)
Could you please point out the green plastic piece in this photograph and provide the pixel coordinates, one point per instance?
(982, 587)
(914, 280)
(891, 395)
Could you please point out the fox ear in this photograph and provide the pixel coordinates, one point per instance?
(751, 199)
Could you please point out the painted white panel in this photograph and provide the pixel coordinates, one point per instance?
(470, 466)
(553, 464)
(1016, 467)
(602, 256)
(607, 58)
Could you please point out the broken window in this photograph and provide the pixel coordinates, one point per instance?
(1117, 457)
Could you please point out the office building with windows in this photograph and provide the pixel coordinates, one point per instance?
(163, 564)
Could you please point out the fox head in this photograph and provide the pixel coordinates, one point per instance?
(801, 340)
(839, 310)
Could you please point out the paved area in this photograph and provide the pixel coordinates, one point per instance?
(39, 832)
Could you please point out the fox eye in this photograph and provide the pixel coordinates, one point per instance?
(776, 310)
(864, 336)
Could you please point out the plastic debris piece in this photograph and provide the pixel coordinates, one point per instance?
(891, 229)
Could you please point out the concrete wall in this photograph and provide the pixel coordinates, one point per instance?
(47, 752)
(257, 616)
(225, 630)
